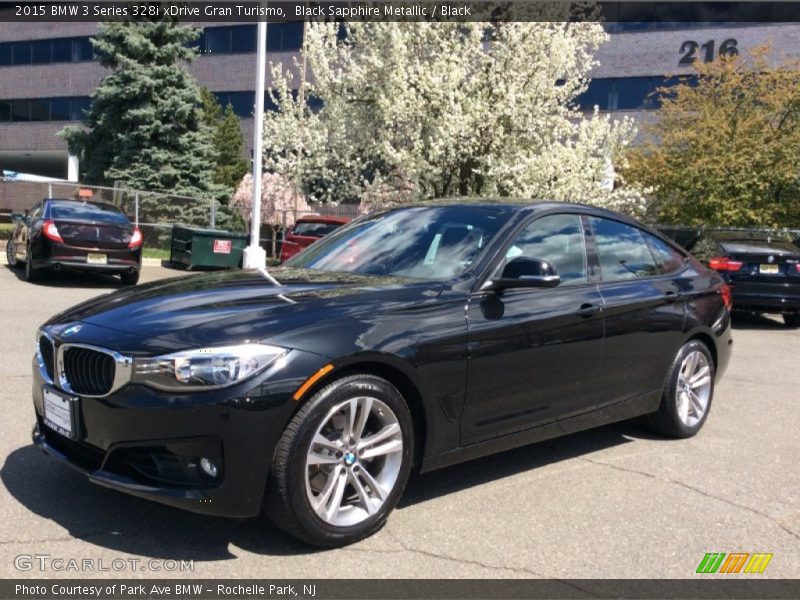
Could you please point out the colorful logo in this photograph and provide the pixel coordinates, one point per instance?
(735, 562)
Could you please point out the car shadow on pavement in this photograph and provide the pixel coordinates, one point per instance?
(124, 523)
(428, 486)
(747, 320)
(70, 279)
(128, 524)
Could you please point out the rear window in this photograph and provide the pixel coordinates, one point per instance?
(86, 211)
(315, 229)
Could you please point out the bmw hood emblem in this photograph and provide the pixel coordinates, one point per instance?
(71, 330)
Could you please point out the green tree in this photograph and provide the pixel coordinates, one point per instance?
(725, 151)
(225, 129)
(144, 126)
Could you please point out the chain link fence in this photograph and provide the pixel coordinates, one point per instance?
(155, 214)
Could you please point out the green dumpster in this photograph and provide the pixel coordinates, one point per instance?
(206, 247)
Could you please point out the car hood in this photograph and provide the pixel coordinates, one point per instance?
(233, 306)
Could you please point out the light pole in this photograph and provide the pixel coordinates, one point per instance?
(255, 257)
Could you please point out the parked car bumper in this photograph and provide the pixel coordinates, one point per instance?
(59, 256)
(766, 297)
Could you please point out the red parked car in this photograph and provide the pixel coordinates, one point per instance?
(306, 231)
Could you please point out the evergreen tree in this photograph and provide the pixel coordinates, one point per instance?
(227, 137)
(144, 126)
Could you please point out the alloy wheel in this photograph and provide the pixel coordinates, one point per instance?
(353, 461)
(693, 389)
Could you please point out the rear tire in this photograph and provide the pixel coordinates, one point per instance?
(792, 319)
(688, 391)
(11, 254)
(31, 273)
(129, 278)
(329, 487)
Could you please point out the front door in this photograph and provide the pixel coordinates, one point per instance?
(535, 354)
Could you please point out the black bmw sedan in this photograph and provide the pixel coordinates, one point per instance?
(414, 337)
(763, 271)
(75, 235)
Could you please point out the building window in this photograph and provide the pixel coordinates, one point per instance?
(244, 102)
(43, 52)
(241, 39)
(628, 93)
(44, 109)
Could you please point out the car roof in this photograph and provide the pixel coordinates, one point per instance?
(104, 205)
(533, 205)
(323, 219)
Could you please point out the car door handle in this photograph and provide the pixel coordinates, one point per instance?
(588, 310)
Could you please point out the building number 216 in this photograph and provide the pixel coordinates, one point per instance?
(689, 50)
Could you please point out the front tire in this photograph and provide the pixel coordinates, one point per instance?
(11, 254)
(342, 463)
(687, 395)
(792, 319)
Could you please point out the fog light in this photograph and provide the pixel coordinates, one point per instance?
(209, 467)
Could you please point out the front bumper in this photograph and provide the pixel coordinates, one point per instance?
(148, 443)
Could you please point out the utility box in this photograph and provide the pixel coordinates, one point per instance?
(212, 248)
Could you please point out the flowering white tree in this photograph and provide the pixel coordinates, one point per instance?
(423, 110)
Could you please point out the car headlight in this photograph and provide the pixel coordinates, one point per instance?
(205, 368)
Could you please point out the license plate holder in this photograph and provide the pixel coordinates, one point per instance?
(96, 258)
(766, 269)
(60, 412)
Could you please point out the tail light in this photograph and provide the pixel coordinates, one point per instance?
(136, 238)
(797, 267)
(727, 298)
(723, 263)
(50, 231)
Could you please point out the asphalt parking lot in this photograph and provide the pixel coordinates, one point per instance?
(613, 502)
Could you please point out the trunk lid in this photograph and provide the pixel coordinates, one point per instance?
(100, 236)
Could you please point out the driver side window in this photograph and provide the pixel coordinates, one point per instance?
(558, 239)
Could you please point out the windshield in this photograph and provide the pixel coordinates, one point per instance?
(423, 242)
(314, 228)
(85, 211)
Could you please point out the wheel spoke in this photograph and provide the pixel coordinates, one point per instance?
(321, 440)
(683, 406)
(332, 507)
(388, 448)
(374, 486)
(380, 436)
(315, 458)
(691, 363)
(363, 495)
(697, 406)
(363, 415)
(349, 419)
(321, 501)
(700, 378)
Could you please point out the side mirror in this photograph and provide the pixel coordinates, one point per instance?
(524, 272)
(17, 217)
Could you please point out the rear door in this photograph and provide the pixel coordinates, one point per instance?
(644, 306)
(535, 355)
